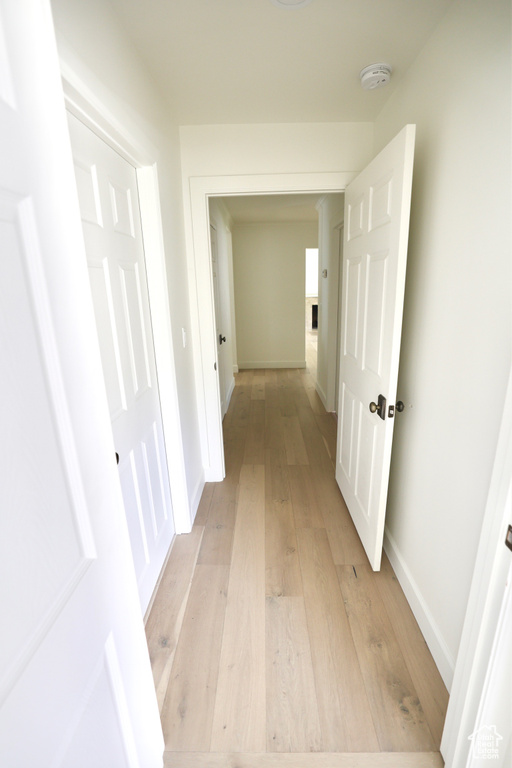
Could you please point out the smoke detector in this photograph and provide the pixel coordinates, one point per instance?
(290, 3)
(375, 76)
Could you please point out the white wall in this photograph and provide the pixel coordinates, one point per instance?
(456, 345)
(91, 44)
(212, 150)
(269, 263)
(221, 220)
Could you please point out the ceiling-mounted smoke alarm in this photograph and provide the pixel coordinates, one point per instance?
(375, 76)
(290, 3)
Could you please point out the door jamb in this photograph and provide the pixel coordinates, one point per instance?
(81, 102)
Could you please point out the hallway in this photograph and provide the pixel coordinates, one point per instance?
(269, 633)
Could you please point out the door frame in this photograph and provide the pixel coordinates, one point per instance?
(202, 309)
(83, 104)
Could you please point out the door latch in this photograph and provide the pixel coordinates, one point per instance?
(221, 338)
(379, 407)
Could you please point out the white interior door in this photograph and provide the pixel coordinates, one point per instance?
(76, 688)
(377, 207)
(218, 325)
(109, 206)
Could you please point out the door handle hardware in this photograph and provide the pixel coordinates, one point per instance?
(380, 407)
(117, 458)
(508, 537)
(221, 338)
(399, 406)
(391, 411)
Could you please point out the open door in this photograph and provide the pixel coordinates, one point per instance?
(218, 325)
(377, 208)
(76, 688)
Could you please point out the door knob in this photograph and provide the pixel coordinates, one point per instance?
(221, 338)
(399, 406)
(379, 407)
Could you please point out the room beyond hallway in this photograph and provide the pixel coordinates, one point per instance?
(270, 637)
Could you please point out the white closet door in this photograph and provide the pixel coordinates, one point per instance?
(109, 206)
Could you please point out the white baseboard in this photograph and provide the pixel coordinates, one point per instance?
(229, 393)
(272, 364)
(431, 632)
(194, 501)
(321, 394)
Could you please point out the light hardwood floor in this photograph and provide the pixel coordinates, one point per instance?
(272, 641)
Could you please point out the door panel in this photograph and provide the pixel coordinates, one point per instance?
(108, 196)
(377, 205)
(221, 358)
(75, 680)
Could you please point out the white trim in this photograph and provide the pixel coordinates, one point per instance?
(321, 394)
(196, 498)
(257, 364)
(230, 391)
(431, 632)
(82, 103)
(197, 190)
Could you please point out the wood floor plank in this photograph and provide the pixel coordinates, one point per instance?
(187, 713)
(299, 394)
(307, 760)
(306, 509)
(166, 617)
(345, 543)
(345, 716)
(285, 389)
(315, 401)
(241, 407)
(328, 427)
(398, 717)
(218, 535)
(294, 442)
(277, 471)
(274, 432)
(293, 724)
(313, 439)
(258, 387)
(255, 439)
(245, 377)
(282, 567)
(426, 677)
(234, 449)
(239, 714)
